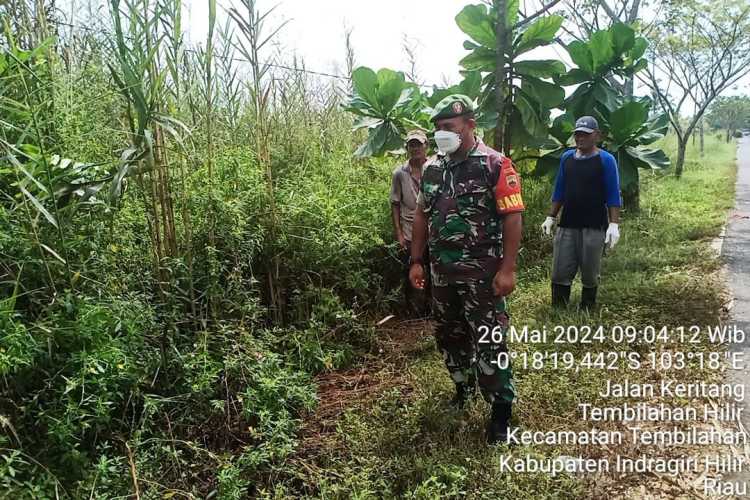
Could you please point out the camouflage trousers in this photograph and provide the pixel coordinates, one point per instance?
(466, 315)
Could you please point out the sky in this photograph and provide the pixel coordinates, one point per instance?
(316, 31)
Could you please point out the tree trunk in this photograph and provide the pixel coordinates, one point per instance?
(501, 35)
(631, 198)
(509, 100)
(629, 86)
(631, 192)
(680, 164)
(702, 142)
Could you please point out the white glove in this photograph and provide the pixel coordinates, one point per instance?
(613, 234)
(547, 225)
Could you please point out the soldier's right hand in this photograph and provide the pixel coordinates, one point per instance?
(547, 225)
(416, 276)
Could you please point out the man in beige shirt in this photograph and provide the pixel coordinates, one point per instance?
(404, 191)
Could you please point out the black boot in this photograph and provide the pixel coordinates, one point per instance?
(497, 427)
(588, 298)
(464, 392)
(560, 295)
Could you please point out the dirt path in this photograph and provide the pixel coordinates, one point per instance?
(397, 344)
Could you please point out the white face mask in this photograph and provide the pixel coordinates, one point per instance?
(447, 142)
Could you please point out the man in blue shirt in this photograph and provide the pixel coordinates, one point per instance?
(587, 189)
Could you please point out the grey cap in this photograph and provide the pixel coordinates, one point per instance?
(586, 124)
(417, 135)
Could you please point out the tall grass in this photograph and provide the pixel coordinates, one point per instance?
(185, 239)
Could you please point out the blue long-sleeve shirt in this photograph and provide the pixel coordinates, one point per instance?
(585, 187)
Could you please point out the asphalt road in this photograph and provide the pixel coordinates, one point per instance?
(736, 247)
(736, 255)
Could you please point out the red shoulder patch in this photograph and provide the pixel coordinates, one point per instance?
(508, 190)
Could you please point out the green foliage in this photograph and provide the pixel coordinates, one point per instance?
(539, 33)
(18, 347)
(123, 361)
(73, 377)
(730, 113)
(630, 129)
(71, 184)
(627, 124)
(475, 21)
(614, 51)
(387, 106)
(535, 89)
(470, 86)
(106, 361)
(532, 95)
(99, 356)
(22, 478)
(625, 132)
(16, 66)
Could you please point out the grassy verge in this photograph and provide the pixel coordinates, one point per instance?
(662, 273)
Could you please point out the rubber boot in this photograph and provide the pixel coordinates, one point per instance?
(560, 295)
(497, 427)
(464, 392)
(588, 298)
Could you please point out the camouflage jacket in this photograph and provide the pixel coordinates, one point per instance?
(464, 203)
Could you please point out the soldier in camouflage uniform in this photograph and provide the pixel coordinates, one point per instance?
(469, 212)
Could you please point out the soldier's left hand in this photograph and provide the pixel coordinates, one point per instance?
(504, 282)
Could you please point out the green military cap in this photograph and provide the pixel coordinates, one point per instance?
(452, 105)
